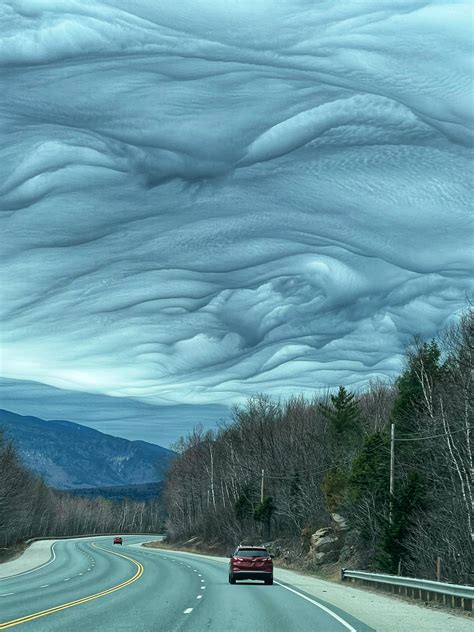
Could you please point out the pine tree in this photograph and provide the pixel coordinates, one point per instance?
(345, 423)
(370, 470)
(422, 371)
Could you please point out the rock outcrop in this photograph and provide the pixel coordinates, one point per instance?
(326, 543)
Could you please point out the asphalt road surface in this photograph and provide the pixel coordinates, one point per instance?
(95, 586)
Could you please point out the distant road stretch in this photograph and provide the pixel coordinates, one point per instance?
(91, 585)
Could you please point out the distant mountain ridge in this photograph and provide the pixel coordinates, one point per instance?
(70, 456)
(139, 493)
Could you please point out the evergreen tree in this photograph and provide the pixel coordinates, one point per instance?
(263, 513)
(243, 506)
(421, 373)
(371, 469)
(413, 405)
(368, 489)
(407, 501)
(345, 426)
(335, 487)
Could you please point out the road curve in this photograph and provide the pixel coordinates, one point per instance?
(96, 586)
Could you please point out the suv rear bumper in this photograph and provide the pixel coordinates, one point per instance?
(262, 575)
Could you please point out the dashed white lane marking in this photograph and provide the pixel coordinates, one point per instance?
(7, 594)
(88, 569)
(81, 574)
(187, 611)
(203, 588)
(199, 575)
(202, 581)
(199, 597)
(194, 570)
(44, 586)
(67, 579)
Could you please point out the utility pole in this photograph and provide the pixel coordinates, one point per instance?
(392, 469)
(261, 486)
(438, 569)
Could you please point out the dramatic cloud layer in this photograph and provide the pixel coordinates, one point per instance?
(207, 198)
(118, 416)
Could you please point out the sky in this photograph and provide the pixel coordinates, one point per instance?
(206, 199)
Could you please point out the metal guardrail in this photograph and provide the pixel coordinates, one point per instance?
(459, 595)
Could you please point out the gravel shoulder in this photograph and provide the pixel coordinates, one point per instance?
(37, 554)
(381, 612)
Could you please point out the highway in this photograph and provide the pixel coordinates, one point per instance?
(92, 585)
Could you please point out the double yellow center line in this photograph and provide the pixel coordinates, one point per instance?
(77, 602)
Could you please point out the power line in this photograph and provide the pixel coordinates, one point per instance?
(297, 472)
(444, 434)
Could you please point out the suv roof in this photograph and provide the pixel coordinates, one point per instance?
(249, 547)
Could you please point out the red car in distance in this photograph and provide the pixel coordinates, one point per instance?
(118, 540)
(251, 562)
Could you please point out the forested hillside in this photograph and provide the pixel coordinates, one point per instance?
(29, 508)
(282, 470)
(71, 456)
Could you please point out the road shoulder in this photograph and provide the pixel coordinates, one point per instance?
(37, 554)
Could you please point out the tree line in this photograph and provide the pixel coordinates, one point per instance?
(281, 469)
(30, 508)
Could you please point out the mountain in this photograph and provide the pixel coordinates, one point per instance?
(70, 456)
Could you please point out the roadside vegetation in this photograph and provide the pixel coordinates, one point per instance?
(282, 470)
(29, 508)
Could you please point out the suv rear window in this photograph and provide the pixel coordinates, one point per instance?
(251, 553)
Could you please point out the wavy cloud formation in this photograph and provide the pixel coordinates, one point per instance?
(204, 199)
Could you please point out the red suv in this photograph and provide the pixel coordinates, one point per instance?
(251, 562)
(118, 540)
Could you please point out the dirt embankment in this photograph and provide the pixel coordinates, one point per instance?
(11, 553)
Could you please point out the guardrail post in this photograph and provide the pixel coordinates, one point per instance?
(438, 569)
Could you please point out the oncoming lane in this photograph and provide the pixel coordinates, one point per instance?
(83, 564)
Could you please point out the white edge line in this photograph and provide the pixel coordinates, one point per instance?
(315, 603)
(37, 568)
(319, 605)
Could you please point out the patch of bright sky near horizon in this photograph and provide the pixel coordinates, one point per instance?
(205, 199)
